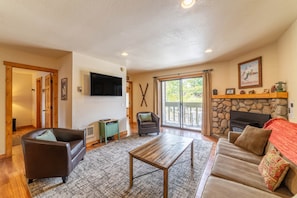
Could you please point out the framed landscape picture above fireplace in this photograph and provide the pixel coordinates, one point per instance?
(250, 73)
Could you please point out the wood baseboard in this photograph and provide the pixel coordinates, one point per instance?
(3, 156)
(24, 127)
(115, 137)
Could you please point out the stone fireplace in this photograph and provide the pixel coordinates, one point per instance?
(274, 104)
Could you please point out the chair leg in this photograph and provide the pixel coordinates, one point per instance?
(64, 179)
(30, 181)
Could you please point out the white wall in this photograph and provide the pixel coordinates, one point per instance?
(22, 99)
(65, 106)
(224, 75)
(88, 109)
(287, 54)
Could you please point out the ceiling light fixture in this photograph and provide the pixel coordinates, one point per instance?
(208, 51)
(187, 3)
(124, 54)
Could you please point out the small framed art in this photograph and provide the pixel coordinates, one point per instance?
(64, 89)
(230, 91)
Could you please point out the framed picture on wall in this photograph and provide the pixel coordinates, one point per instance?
(250, 73)
(64, 89)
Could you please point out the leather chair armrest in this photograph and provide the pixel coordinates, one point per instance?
(41, 157)
(233, 135)
(155, 118)
(67, 135)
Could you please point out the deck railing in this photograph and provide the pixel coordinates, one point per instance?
(191, 113)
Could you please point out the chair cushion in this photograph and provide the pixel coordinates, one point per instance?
(48, 135)
(253, 139)
(146, 117)
(273, 168)
(148, 124)
(76, 146)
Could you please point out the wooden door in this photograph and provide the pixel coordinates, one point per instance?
(48, 101)
(38, 102)
(129, 109)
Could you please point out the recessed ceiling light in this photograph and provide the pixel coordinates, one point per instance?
(187, 3)
(124, 54)
(208, 51)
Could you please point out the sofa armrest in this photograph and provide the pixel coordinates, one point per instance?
(233, 135)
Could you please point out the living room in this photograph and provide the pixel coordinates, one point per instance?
(279, 63)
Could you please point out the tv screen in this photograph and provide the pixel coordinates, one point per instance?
(104, 85)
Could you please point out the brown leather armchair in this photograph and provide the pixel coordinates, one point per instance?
(148, 122)
(53, 158)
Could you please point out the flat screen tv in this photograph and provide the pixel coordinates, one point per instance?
(104, 85)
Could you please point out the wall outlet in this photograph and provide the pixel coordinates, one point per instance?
(291, 109)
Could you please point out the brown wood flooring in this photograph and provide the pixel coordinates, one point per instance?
(13, 183)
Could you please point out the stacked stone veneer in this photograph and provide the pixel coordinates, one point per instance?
(221, 111)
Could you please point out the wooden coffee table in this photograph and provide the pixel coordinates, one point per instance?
(161, 152)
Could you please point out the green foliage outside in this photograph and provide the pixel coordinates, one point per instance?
(192, 89)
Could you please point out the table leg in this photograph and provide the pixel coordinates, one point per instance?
(165, 187)
(131, 170)
(192, 153)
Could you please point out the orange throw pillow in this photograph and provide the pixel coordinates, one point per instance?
(273, 169)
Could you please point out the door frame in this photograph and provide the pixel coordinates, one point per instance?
(48, 116)
(38, 101)
(129, 89)
(8, 105)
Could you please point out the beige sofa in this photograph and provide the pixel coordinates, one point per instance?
(235, 172)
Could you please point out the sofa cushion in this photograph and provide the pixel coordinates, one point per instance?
(218, 187)
(253, 139)
(146, 117)
(48, 135)
(226, 148)
(273, 168)
(243, 172)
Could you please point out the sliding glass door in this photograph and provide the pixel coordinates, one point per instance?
(182, 103)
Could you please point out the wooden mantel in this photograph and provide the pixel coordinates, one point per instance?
(253, 96)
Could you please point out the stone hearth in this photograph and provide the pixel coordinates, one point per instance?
(276, 107)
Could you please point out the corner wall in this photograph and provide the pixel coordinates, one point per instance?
(7, 54)
(287, 57)
(224, 75)
(87, 109)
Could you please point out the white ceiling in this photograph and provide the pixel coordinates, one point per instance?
(157, 34)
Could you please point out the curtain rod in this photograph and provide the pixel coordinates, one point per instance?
(177, 74)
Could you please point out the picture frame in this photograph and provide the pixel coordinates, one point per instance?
(230, 91)
(250, 73)
(64, 86)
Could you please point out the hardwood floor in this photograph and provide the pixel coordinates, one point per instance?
(16, 135)
(13, 182)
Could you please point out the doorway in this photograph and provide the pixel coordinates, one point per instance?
(8, 108)
(182, 103)
(129, 101)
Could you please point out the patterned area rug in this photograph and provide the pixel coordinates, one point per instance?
(104, 173)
